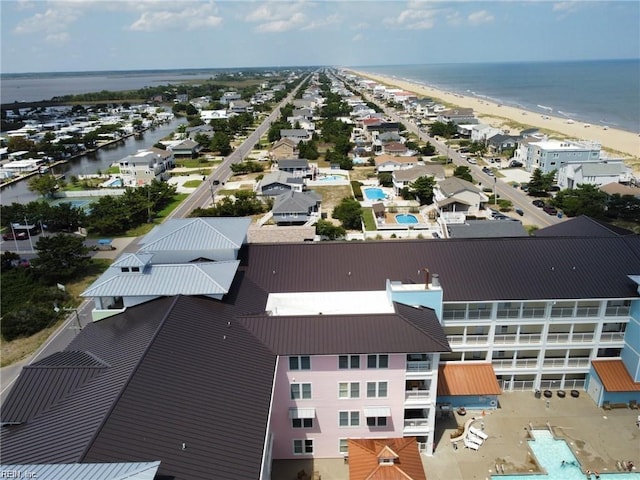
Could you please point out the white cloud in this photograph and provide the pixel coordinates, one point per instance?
(417, 17)
(297, 20)
(50, 21)
(358, 37)
(191, 18)
(564, 9)
(276, 17)
(58, 38)
(481, 17)
(323, 22)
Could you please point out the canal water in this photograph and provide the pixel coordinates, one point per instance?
(91, 163)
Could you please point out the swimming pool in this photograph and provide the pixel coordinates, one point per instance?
(331, 178)
(406, 218)
(374, 193)
(550, 454)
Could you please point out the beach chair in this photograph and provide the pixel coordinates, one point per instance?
(474, 438)
(470, 444)
(478, 432)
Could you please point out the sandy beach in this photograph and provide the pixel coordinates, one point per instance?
(618, 143)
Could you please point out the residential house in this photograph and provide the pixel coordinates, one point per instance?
(296, 208)
(229, 97)
(394, 148)
(615, 188)
(549, 155)
(482, 132)
(284, 148)
(205, 129)
(459, 116)
(404, 177)
(500, 142)
(186, 148)
(278, 182)
(207, 115)
(457, 199)
(571, 175)
(239, 106)
(297, 167)
(389, 163)
(295, 134)
(145, 166)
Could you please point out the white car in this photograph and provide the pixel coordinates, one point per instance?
(472, 161)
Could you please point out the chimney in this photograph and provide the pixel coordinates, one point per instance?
(435, 282)
(426, 278)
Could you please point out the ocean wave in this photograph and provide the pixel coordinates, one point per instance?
(549, 109)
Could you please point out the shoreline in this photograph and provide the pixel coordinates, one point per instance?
(618, 142)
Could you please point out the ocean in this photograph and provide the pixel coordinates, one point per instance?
(603, 92)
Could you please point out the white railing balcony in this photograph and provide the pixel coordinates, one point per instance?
(479, 314)
(558, 338)
(621, 311)
(587, 311)
(526, 338)
(581, 362)
(508, 313)
(419, 366)
(532, 312)
(511, 363)
(562, 312)
(468, 339)
(417, 396)
(582, 337)
(416, 425)
(612, 337)
(454, 314)
(500, 339)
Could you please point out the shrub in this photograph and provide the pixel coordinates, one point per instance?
(26, 321)
(357, 189)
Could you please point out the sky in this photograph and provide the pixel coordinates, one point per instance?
(95, 35)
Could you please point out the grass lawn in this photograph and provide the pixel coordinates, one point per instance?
(11, 352)
(369, 220)
(362, 173)
(332, 195)
(192, 183)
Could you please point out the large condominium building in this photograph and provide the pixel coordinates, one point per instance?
(299, 348)
(549, 155)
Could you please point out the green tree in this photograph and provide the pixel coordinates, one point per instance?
(349, 212)
(540, 184)
(326, 229)
(60, 257)
(583, 200)
(446, 130)
(220, 143)
(20, 144)
(428, 150)
(45, 185)
(624, 207)
(385, 179)
(191, 110)
(422, 187)
(463, 172)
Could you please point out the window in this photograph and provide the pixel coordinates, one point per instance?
(135, 269)
(376, 421)
(377, 361)
(300, 363)
(302, 447)
(376, 389)
(344, 446)
(349, 390)
(349, 419)
(302, 422)
(300, 390)
(349, 361)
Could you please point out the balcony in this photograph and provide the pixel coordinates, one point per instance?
(532, 312)
(587, 311)
(525, 338)
(508, 313)
(613, 337)
(561, 312)
(580, 362)
(468, 339)
(419, 366)
(617, 311)
(568, 338)
(417, 426)
(518, 363)
(417, 397)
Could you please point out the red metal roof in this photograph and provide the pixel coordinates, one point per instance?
(614, 376)
(467, 379)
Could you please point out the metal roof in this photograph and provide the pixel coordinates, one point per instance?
(467, 379)
(582, 226)
(133, 260)
(614, 376)
(486, 229)
(203, 278)
(84, 471)
(206, 233)
(518, 268)
(419, 331)
(297, 202)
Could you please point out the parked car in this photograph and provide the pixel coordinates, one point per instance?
(550, 210)
(515, 163)
(472, 161)
(519, 211)
(538, 203)
(15, 236)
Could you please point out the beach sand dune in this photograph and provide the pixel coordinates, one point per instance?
(619, 143)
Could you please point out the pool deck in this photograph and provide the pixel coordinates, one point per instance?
(597, 437)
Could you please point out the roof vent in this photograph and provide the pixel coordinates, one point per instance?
(435, 281)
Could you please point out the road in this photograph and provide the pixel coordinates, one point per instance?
(201, 197)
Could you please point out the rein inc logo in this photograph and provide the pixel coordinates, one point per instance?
(17, 474)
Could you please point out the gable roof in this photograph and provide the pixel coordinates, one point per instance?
(620, 189)
(582, 226)
(162, 356)
(405, 331)
(365, 455)
(410, 174)
(295, 202)
(200, 233)
(202, 278)
(562, 267)
(467, 379)
(286, 142)
(487, 229)
(454, 185)
(281, 177)
(94, 471)
(293, 163)
(614, 376)
(380, 159)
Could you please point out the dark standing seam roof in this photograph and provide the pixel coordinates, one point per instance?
(582, 226)
(61, 431)
(341, 334)
(43, 383)
(470, 270)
